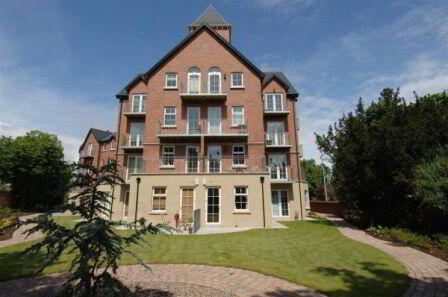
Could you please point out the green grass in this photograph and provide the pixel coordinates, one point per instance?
(312, 253)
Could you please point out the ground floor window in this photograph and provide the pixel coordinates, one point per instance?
(280, 203)
(241, 201)
(213, 205)
(158, 199)
(107, 203)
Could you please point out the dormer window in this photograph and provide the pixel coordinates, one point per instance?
(171, 80)
(214, 80)
(194, 80)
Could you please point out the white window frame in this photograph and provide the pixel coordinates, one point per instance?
(166, 80)
(188, 119)
(220, 81)
(206, 206)
(186, 157)
(90, 149)
(234, 124)
(142, 103)
(239, 194)
(112, 145)
(287, 199)
(242, 81)
(165, 114)
(220, 158)
(127, 164)
(189, 82)
(239, 153)
(103, 147)
(154, 195)
(274, 104)
(167, 154)
(278, 168)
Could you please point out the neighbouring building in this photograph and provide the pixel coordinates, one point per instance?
(98, 148)
(206, 136)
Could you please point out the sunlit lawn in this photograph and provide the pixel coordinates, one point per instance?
(310, 253)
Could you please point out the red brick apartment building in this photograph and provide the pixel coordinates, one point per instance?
(209, 136)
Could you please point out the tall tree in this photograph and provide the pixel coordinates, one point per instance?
(34, 166)
(314, 177)
(375, 151)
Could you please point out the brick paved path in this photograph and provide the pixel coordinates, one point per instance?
(429, 274)
(242, 283)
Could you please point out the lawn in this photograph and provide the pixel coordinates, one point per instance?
(310, 253)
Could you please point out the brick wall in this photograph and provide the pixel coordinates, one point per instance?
(328, 207)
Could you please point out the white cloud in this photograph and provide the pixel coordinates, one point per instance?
(34, 98)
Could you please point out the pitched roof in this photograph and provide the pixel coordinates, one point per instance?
(281, 77)
(210, 16)
(125, 91)
(100, 136)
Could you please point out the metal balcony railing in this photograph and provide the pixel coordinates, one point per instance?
(132, 141)
(130, 109)
(202, 127)
(277, 139)
(276, 109)
(280, 173)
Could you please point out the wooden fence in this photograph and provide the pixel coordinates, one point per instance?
(329, 207)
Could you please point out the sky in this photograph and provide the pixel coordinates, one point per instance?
(62, 62)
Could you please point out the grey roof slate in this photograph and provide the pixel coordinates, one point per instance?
(100, 136)
(268, 76)
(210, 16)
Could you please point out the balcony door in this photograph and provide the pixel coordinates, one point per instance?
(135, 165)
(136, 134)
(276, 133)
(138, 103)
(214, 120)
(214, 159)
(192, 160)
(277, 166)
(194, 117)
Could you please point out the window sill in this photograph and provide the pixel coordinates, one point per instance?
(156, 212)
(241, 212)
(166, 167)
(169, 126)
(237, 126)
(170, 88)
(236, 88)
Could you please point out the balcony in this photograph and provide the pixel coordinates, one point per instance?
(280, 174)
(132, 142)
(207, 128)
(199, 165)
(125, 173)
(276, 110)
(277, 140)
(202, 95)
(134, 111)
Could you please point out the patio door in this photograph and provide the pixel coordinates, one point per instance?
(214, 159)
(186, 205)
(192, 160)
(193, 122)
(276, 133)
(213, 205)
(280, 204)
(214, 120)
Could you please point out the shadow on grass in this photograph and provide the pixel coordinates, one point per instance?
(372, 283)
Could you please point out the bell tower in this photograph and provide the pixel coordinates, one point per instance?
(212, 18)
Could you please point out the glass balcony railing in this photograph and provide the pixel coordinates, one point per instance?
(130, 141)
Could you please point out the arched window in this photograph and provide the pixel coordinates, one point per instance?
(214, 80)
(194, 80)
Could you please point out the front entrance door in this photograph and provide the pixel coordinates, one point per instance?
(186, 207)
(280, 204)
